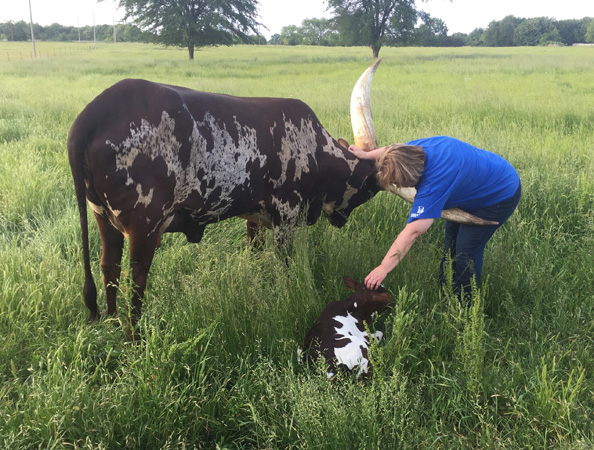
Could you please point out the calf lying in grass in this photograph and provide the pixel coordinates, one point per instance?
(339, 334)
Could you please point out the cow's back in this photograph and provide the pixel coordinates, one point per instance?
(168, 148)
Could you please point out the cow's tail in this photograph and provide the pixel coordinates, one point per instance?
(76, 148)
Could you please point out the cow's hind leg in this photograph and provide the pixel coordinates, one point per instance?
(255, 234)
(112, 244)
(142, 251)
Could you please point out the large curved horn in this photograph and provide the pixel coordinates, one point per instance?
(361, 119)
(365, 138)
(452, 214)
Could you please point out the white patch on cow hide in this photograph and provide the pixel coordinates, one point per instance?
(97, 209)
(298, 143)
(284, 208)
(351, 355)
(144, 199)
(115, 212)
(165, 225)
(223, 168)
(151, 141)
(346, 198)
(225, 165)
(337, 152)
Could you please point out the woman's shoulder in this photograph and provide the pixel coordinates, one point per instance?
(435, 140)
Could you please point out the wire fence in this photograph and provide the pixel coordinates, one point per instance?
(16, 54)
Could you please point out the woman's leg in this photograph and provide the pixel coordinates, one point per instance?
(471, 241)
(468, 247)
(468, 262)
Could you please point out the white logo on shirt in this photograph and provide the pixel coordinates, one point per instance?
(420, 210)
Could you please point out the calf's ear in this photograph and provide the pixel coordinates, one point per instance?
(380, 299)
(350, 283)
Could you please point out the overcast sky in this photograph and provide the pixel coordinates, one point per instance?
(459, 15)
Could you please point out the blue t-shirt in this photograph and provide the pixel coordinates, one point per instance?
(458, 175)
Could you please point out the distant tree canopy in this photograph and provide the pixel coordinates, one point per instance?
(417, 28)
(512, 31)
(194, 23)
(407, 27)
(371, 22)
(21, 31)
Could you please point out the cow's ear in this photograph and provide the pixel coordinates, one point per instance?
(344, 144)
(350, 283)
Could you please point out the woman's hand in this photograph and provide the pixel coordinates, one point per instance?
(362, 154)
(357, 152)
(375, 277)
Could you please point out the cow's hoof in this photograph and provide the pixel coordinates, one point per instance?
(93, 317)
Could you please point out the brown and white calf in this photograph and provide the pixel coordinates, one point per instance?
(340, 336)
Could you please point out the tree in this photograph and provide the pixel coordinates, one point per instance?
(128, 33)
(194, 23)
(589, 36)
(500, 33)
(570, 31)
(475, 37)
(456, 40)
(291, 35)
(507, 29)
(18, 31)
(402, 26)
(275, 39)
(432, 32)
(315, 31)
(537, 31)
(367, 22)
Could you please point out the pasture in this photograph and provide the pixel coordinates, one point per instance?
(218, 365)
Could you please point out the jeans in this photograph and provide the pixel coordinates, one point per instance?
(465, 244)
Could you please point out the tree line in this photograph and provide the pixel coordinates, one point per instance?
(372, 23)
(429, 32)
(21, 31)
(432, 32)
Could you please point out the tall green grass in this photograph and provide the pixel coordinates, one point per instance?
(218, 366)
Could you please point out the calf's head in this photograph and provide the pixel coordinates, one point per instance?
(365, 302)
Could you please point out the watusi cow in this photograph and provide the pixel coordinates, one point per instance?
(151, 158)
(339, 335)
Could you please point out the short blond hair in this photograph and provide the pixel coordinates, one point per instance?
(400, 165)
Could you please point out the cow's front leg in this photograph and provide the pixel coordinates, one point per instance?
(112, 244)
(284, 234)
(285, 217)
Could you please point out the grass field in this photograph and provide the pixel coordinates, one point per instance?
(218, 367)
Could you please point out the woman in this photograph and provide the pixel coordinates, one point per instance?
(447, 173)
